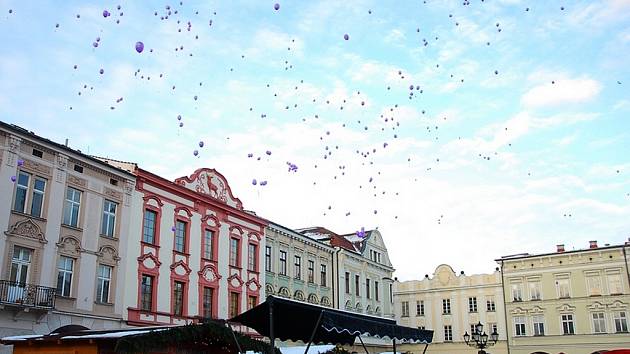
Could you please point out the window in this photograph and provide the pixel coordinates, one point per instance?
(208, 245)
(109, 218)
(599, 322)
(420, 308)
(517, 292)
(21, 191)
(20, 263)
(78, 168)
(208, 299)
(562, 286)
(448, 333)
(146, 293)
(539, 325)
(519, 326)
(180, 236)
(473, 328)
(534, 291)
(391, 294)
(357, 281)
(347, 283)
(297, 269)
(472, 304)
(103, 282)
(405, 309)
(493, 327)
(21, 203)
(594, 285)
(251, 302)
(490, 306)
(323, 275)
(251, 257)
(234, 245)
(614, 284)
(367, 288)
(311, 271)
(64, 276)
(71, 207)
(268, 259)
(234, 298)
(446, 306)
(178, 298)
(376, 290)
(568, 327)
(148, 230)
(621, 321)
(283, 262)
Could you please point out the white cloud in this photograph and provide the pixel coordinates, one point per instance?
(561, 92)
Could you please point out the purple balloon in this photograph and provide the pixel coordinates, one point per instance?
(276, 6)
(20, 163)
(13, 179)
(181, 124)
(201, 144)
(346, 37)
(101, 71)
(179, 117)
(195, 152)
(106, 13)
(95, 44)
(254, 181)
(268, 152)
(139, 47)
(173, 228)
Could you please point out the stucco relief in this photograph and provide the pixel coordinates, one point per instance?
(36, 166)
(77, 181)
(70, 245)
(235, 281)
(444, 274)
(180, 268)
(209, 273)
(112, 193)
(253, 284)
(149, 261)
(108, 253)
(27, 228)
(210, 182)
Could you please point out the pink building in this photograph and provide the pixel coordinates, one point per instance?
(198, 252)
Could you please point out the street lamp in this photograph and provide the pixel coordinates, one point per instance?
(479, 338)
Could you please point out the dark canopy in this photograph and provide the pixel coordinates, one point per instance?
(295, 321)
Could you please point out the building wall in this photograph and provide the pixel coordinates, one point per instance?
(48, 238)
(590, 275)
(279, 239)
(359, 263)
(429, 294)
(203, 201)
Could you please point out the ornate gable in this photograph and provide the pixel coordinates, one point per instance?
(27, 228)
(212, 183)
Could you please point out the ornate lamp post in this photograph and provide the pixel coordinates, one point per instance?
(480, 340)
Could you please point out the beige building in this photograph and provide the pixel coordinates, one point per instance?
(297, 266)
(574, 302)
(450, 304)
(62, 215)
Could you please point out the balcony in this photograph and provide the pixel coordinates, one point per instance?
(22, 295)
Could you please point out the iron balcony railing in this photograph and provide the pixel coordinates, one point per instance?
(26, 295)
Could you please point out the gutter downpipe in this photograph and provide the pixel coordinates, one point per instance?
(507, 325)
(337, 250)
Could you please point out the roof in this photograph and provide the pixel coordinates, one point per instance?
(527, 255)
(331, 326)
(19, 130)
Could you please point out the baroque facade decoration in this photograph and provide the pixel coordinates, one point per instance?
(61, 260)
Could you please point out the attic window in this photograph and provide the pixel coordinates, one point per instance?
(113, 182)
(38, 153)
(78, 168)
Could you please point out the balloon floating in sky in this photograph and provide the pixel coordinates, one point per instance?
(276, 7)
(263, 183)
(106, 13)
(361, 233)
(173, 228)
(346, 37)
(179, 117)
(181, 124)
(201, 144)
(254, 182)
(268, 152)
(139, 47)
(195, 152)
(13, 179)
(101, 71)
(20, 163)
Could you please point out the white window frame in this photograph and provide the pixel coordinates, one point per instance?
(535, 292)
(268, 259)
(24, 188)
(63, 272)
(517, 292)
(620, 320)
(71, 205)
(520, 325)
(404, 309)
(618, 290)
(104, 283)
(559, 286)
(490, 304)
(41, 193)
(448, 333)
(283, 263)
(109, 219)
(538, 323)
(593, 284)
(567, 321)
(446, 306)
(598, 322)
(419, 307)
(472, 304)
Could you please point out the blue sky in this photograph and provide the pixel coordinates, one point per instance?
(519, 115)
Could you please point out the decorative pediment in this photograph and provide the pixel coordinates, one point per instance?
(444, 274)
(536, 310)
(518, 311)
(186, 211)
(254, 235)
(210, 182)
(108, 253)
(325, 301)
(253, 284)
(312, 298)
(236, 230)
(210, 220)
(153, 201)
(235, 280)
(299, 295)
(180, 268)
(565, 308)
(348, 305)
(27, 228)
(284, 292)
(269, 290)
(149, 261)
(69, 245)
(209, 273)
(618, 305)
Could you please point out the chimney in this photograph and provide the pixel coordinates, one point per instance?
(66, 142)
(592, 244)
(560, 248)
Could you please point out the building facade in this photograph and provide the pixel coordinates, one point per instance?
(194, 251)
(297, 266)
(450, 304)
(65, 222)
(575, 302)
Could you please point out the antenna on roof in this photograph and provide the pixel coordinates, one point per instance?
(66, 142)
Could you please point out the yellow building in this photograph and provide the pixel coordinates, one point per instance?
(574, 302)
(450, 304)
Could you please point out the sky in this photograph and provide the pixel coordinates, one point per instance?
(463, 130)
